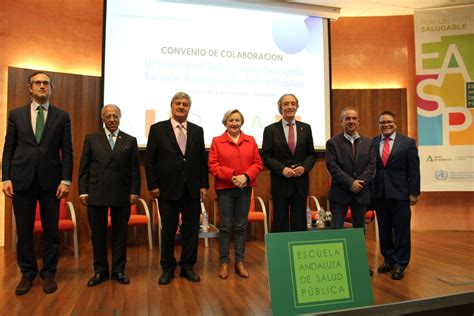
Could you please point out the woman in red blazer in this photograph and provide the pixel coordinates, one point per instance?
(235, 163)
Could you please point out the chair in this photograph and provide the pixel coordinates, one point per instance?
(315, 208)
(254, 215)
(369, 217)
(65, 224)
(138, 220)
(157, 220)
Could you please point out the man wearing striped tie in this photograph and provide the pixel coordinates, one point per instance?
(396, 187)
(37, 167)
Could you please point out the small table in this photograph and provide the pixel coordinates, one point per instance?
(210, 233)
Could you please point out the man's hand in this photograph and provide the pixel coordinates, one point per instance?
(356, 186)
(84, 199)
(8, 189)
(62, 191)
(288, 172)
(133, 199)
(298, 171)
(413, 199)
(155, 193)
(203, 193)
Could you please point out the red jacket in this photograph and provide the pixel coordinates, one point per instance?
(228, 159)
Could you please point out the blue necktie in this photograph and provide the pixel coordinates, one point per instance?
(111, 140)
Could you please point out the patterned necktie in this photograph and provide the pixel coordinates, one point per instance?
(182, 139)
(291, 137)
(39, 123)
(111, 140)
(386, 151)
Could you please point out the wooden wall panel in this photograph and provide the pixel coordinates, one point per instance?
(76, 94)
(370, 103)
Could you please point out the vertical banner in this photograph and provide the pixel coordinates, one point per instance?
(444, 45)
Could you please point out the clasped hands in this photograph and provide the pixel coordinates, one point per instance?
(296, 171)
(240, 181)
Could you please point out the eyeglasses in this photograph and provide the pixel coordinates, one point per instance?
(386, 122)
(111, 117)
(39, 83)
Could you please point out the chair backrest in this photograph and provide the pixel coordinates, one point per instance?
(62, 210)
(252, 201)
(133, 209)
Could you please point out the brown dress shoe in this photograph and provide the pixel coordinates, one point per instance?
(224, 271)
(240, 269)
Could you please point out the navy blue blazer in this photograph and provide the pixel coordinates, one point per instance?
(344, 169)
(168, 169)
(400, 178)
(109, 176)
(22, 154)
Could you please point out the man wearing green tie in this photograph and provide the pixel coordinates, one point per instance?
(37, 168)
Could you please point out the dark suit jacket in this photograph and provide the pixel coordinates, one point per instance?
(344, 170)
(109, 177)
(168, 169)
(22, 154)
(276, 156)
(401, 177)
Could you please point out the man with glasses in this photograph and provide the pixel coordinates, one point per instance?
(177, 174)
(37, 167)
(396, 187)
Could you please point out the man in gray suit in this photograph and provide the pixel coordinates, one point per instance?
(350, 160)
(109, 177)
(37, 167)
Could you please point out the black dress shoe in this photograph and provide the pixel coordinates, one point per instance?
(121, 278)
(166, 277)
(49, 285)
(190, 275)
(97, 279)
(397, 272)
(24, 286)
(385, 267)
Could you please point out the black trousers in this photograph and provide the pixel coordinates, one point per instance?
(289, 212)
(393, 217)
(339, 212)
(98, 216)
(24, 204)
(190, 209)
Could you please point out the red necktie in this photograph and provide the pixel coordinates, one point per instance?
(291, 137)
(386, 151)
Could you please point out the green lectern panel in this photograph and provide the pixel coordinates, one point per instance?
(318, 271)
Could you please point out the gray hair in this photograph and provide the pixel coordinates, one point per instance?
(181, 95)
(285, 95)
(348, 108)
(110, 106)
(229, 113)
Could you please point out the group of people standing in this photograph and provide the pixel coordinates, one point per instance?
(37, 167)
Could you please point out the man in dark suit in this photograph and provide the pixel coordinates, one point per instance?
(351, 162)
(109, 177)
(288, 152)
(177, 174)
(37, 166)
(396, 187)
